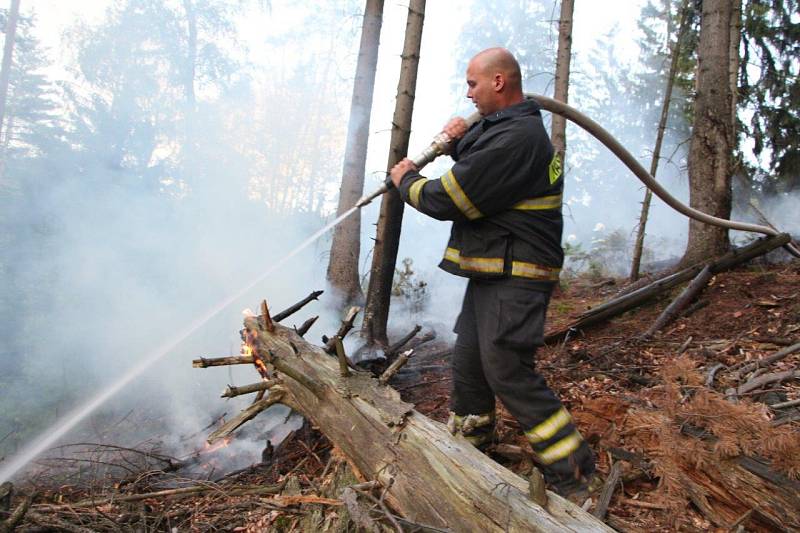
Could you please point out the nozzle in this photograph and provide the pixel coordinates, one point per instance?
(367, 198)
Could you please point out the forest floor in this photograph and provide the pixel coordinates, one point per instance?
(631, 398)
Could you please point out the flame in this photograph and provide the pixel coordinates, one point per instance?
(263, 371)
(208, 448)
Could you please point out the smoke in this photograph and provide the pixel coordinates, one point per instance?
(119, 255)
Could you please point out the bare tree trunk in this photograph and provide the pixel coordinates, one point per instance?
(662, 126)
(346, 245)
(387, 241)
(710, 150)
(8, 52)
(558, 132)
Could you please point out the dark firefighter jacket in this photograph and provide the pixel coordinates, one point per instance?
(504, 197)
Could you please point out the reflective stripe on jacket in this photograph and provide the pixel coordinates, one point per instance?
(504, 196)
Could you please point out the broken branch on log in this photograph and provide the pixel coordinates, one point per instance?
(269, 325)
(303, 329)
(344, 371)
(289, 311)
(674, 309)
(395, 367)
(276, 395)
(392, 350)
(261, 386)
(223, 361)
(344, 329)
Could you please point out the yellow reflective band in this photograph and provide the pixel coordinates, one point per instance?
(560, 449)
(541, 203)
(490, 265)
(451, 254)
(482, 264)
(534, 271)
(549, 427)
(415, 190)
(554, 170)
(458, 196)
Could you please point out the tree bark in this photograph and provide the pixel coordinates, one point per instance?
(662, 126)
(710, 149)
(387, 241)
(431, 476)
(558, 132)
(8, 52)
(346, 244)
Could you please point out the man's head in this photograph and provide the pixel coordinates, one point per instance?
(494, 80)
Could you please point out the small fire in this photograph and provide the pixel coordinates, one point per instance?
(257, 362)
(208, 448)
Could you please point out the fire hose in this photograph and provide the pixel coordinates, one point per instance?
(442, 143)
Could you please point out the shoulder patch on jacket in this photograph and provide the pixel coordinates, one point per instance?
(555, 168)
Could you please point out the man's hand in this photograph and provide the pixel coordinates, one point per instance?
(400, 169)
(455, 128)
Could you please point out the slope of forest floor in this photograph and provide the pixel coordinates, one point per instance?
(633, 400)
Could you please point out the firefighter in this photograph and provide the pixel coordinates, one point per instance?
(504, 196)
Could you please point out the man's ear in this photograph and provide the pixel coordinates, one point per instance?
(498, 82)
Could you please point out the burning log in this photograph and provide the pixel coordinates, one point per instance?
(261, 386)
(223, 361)
(289, 311)
(431, 476)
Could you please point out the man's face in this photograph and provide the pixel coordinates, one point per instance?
(481, 88)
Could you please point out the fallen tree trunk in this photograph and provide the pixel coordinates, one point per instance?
(674, 309)
(431, 476)
(631, 300)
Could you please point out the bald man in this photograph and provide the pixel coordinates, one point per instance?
(504, 197)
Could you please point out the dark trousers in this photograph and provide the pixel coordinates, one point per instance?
(500, 326)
